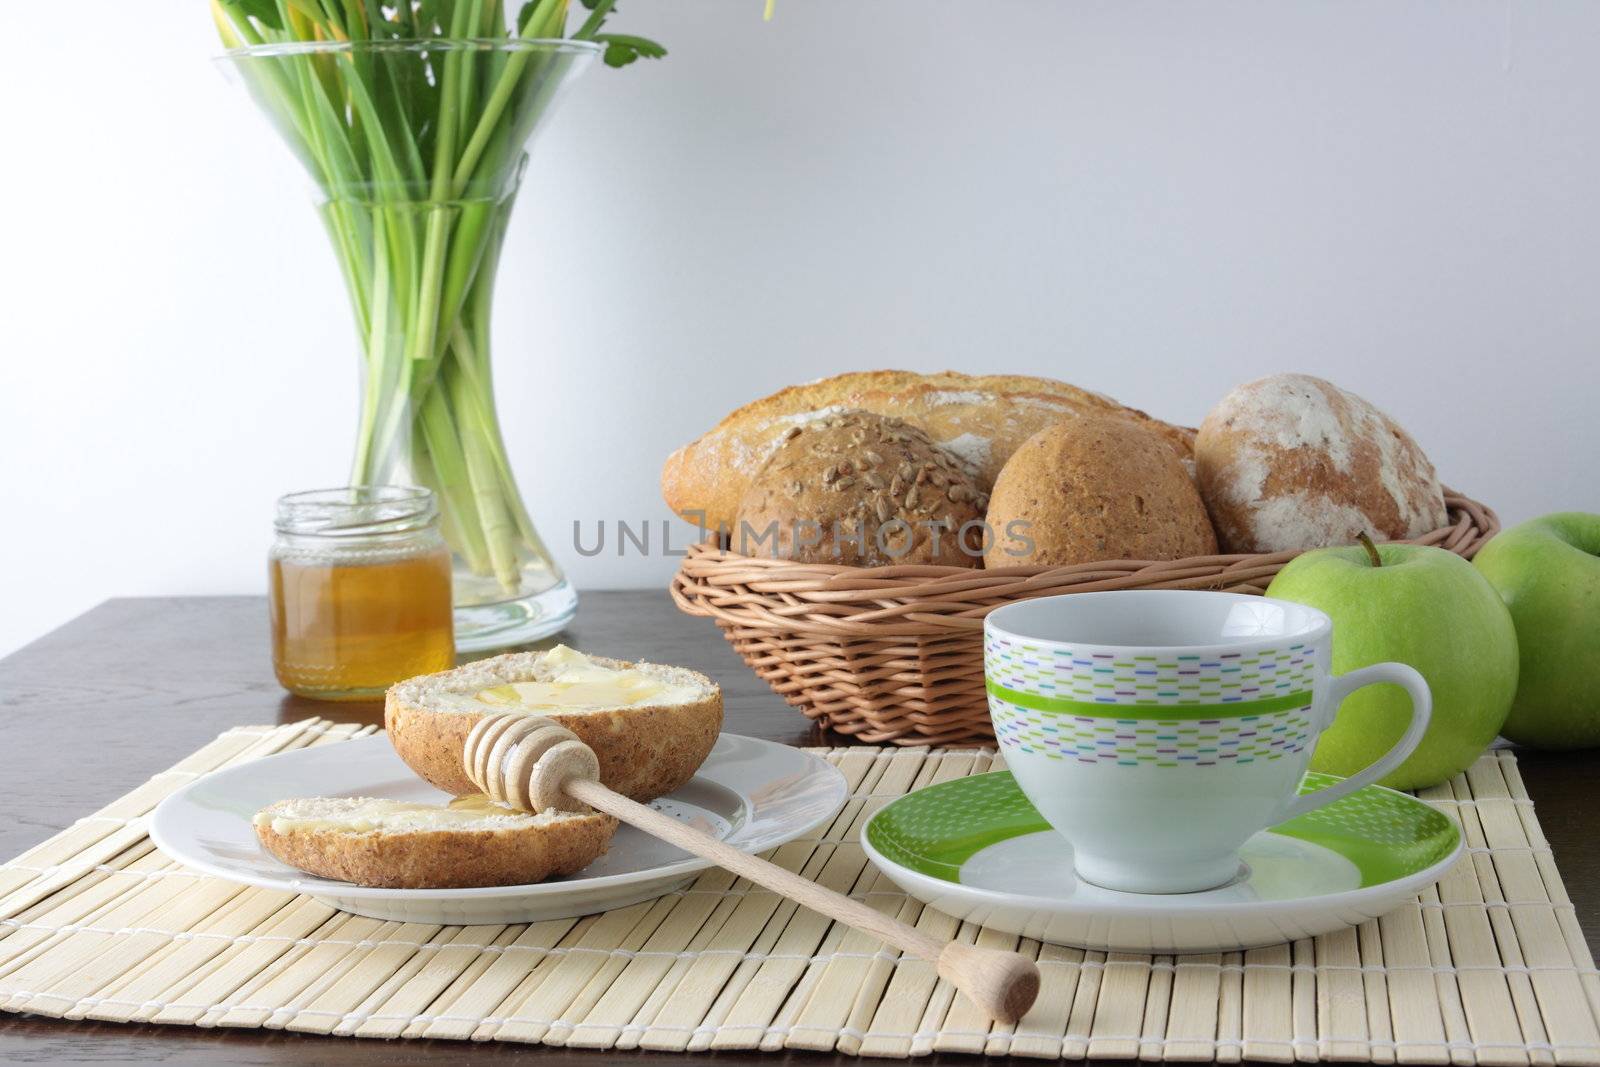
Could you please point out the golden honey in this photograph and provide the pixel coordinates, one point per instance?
(360, 592)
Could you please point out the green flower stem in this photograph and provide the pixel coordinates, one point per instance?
(470, 342)
(544, 22)
(448, 393)
(481, 416)
(487, 496)
(417, 152)
(374, 296)
(453, 484)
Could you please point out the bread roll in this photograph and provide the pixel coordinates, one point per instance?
(860, 490)
(980, 418)
(1095, 488)
(1294, 462)
(393, 845)
(646, 747)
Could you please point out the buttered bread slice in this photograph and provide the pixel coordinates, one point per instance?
(394, 844)
(651, 726)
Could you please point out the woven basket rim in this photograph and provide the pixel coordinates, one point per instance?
(817, 599)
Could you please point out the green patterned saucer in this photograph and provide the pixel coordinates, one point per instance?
(976, 849)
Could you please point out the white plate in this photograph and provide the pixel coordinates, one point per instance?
(753, 794)
(976, 849)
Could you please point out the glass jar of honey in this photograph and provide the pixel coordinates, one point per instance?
(360, 595)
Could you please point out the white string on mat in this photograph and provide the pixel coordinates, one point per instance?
(906, 753)
(357, 1018)
(19, 924)
(172, 870)
(169, 871)
(1164, 966)
(1323, 968)
(137, 821)
(1475, 801)
(323, 726)
(1490, 850)
(433, 946)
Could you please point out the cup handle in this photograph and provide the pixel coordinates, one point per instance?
(1339, 688)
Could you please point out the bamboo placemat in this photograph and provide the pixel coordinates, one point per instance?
(1488, 967)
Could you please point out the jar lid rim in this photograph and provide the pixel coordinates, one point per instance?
(355, 511)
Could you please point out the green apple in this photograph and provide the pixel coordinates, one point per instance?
(1548, 572)
(1424, 607)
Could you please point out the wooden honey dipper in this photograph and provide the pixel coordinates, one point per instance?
(534, 764)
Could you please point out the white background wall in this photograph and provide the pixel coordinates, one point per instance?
(1156, 200)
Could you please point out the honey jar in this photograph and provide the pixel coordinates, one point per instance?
(360, 591)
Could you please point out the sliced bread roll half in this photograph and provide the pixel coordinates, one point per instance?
(650, 726)
(398, 845)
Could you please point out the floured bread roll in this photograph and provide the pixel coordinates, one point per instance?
(1294, 462)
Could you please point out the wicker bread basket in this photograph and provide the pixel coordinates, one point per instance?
(895, 654)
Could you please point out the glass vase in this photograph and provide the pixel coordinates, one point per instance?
(417, 149)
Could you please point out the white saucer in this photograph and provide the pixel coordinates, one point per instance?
(976, 849)
(753, 794)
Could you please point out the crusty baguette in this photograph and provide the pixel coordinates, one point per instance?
(511, 849)
(645, 750)
(981, 418)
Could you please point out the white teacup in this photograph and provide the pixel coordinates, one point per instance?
(1158, 729)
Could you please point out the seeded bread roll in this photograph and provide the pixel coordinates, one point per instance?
(645, 750)
(861, 490)
(1096, 488)
(1294, 462)
(374, 842)
(981, 418)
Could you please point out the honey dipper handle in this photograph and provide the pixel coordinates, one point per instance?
(1004, 984)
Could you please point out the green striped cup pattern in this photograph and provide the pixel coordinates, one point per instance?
(1164, 710)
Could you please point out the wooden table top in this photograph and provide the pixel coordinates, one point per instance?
(125, 690)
